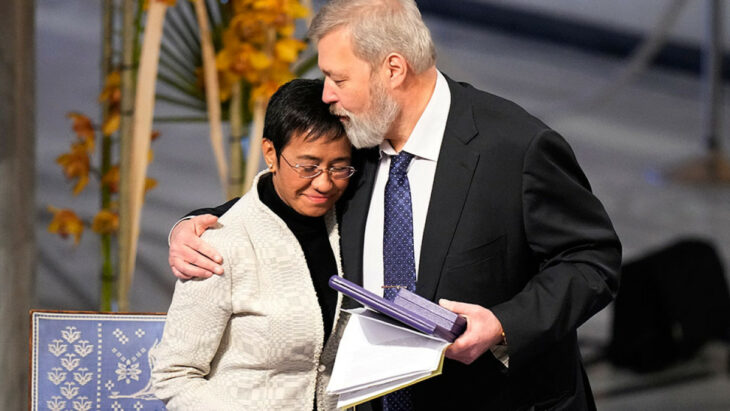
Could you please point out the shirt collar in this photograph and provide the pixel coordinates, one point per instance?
(425, 139)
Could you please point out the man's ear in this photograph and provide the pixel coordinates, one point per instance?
(269, 152)
(396, 67)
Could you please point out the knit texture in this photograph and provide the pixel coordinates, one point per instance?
(252, 337)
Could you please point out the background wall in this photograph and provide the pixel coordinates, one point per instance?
(625, 15)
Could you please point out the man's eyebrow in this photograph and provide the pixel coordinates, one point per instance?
(331, 74)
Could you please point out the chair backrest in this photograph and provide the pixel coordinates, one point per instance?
(92, 361)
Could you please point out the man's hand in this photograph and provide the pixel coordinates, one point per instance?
(483, 330)
(189, 255)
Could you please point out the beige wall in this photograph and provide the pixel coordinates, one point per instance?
(17, 152)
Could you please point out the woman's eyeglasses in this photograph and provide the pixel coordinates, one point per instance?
(312, 171)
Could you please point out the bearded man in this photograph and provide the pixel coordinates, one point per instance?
(493, 217)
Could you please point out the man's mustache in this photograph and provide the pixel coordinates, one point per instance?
(338, 111)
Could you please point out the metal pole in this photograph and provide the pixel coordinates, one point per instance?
(711, 72)
(712, 168)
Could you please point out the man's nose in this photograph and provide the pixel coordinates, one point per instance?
(328, 94)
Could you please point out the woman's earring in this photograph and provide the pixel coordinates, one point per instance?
(271, 166)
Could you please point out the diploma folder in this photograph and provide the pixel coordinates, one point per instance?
(407, 308)
(387, 346)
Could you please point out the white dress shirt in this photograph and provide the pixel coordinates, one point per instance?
(424, 143)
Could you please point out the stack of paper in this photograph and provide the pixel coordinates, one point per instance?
(389, 344)
(377, 356)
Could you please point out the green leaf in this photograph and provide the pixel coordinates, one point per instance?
(177, 42)
(185, 88)
(172, 70)
(187, 25)
(181, 119)
(170, 56)
(182, 102)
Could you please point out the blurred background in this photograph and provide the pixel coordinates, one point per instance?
(630, 85)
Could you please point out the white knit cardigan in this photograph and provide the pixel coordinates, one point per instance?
(252, 337)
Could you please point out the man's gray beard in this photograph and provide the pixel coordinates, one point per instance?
(369, 128)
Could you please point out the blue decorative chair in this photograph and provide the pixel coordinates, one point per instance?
(93, 361)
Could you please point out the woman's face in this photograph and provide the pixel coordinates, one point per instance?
(308, 196)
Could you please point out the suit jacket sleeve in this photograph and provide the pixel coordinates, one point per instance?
(216, 211)
(579, 254)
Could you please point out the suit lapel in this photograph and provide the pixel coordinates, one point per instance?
(454, 173)
(354, 214)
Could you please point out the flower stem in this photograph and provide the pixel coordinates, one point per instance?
(107, 271)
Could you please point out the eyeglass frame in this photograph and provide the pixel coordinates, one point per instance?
(298, 169)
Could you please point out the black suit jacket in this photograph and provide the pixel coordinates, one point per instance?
(512, 225)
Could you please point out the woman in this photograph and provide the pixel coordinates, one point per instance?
(254, 337)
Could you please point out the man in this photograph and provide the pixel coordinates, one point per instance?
(503, 223)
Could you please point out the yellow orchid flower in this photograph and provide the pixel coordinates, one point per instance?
(280, 72)
(242, 6)
(287, 30)
(264, 90)
(110, 179)
(75, 165)
(259, 60)
(245, 61)
(295, 9)
(226, 80)
(83, 128)
(105, 222)
(112, 92)
(111, 125)
(249, 27)
(149, 184)
(265, 4)
(288, 49)
(64, 223)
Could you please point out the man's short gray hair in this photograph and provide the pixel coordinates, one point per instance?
(379, 27)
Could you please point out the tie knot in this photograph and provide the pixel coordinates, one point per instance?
(399, 163)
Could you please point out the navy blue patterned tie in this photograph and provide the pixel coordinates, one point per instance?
(399, 266)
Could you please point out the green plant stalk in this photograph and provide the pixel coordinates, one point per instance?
(235, 151)
(108, 277)
(138, 28)
(107, 272)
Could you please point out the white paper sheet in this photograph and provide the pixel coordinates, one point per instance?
(376, 356)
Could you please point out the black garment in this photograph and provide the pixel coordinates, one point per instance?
(311, 233)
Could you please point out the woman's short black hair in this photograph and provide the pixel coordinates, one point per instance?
(297, 108)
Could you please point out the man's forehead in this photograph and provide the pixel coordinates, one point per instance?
(334, 42)
(336, 56)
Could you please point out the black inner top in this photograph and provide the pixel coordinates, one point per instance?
(311, 233)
